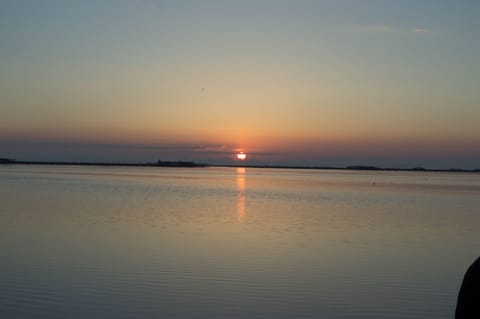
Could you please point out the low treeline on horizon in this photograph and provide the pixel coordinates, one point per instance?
(161, 163)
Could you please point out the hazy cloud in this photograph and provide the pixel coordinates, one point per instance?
(389, 29)
(421, 31)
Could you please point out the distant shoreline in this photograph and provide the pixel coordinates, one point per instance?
(186, 164)
(357, 168)
(158, 164)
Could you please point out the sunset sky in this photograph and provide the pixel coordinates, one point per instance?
(386, 83)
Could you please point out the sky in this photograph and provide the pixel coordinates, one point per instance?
(327, 83)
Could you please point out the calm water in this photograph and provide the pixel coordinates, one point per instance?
(99, 242)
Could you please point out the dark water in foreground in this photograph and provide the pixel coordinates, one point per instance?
(87, 242)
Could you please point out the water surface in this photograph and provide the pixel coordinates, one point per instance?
(132, 242)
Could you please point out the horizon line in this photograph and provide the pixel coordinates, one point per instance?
(190, 164)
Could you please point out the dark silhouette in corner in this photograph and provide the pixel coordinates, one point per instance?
(468, 303)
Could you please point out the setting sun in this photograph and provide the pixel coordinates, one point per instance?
(241, 156)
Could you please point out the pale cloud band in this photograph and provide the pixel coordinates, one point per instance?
(421, 31)
(383, 29)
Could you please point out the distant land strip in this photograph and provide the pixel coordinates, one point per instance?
(7, 161)
(157, 164)
(358, 168)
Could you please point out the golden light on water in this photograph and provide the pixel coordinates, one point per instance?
(240, 194)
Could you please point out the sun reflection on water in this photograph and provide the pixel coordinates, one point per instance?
(240, 194)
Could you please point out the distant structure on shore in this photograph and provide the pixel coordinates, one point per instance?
(179, 164)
